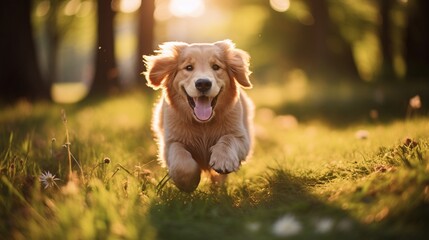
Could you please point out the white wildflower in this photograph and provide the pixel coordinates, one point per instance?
(324, 225)
(286, 226)
(48, 179)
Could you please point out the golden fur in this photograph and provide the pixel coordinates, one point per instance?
(203, 121)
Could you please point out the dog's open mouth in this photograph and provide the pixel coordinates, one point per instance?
(202, 106)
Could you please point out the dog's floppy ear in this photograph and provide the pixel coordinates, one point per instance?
(237, 61)
(163, 64)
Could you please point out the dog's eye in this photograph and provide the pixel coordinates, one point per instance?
(189, 68)
(215, 67)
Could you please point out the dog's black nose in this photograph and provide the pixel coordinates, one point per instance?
(203, 84)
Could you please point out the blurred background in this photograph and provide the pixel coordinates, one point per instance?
(303, 51)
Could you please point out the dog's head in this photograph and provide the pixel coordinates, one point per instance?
(199, 78)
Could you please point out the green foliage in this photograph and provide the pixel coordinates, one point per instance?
(318, 180)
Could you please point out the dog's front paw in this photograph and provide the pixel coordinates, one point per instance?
(223, 161)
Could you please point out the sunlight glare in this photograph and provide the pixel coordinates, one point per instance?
(126, 6)
(280, 5)
(187, 8)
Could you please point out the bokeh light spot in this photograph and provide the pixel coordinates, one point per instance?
(280, 5)
(187, 8)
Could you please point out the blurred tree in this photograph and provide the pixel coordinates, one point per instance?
(307, 37)
(366, 39)
(20, 76)
(106, 79)
(146, 34)
(53, 39)
(55, 32)
(417, 40)
(327, 50)
(385, 35)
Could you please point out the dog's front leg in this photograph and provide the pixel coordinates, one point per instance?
(228, 152)
(182, 168)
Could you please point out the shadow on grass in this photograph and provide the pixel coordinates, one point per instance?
(248, 210)
(348, 104)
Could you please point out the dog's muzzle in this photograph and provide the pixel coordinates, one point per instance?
(202, 106)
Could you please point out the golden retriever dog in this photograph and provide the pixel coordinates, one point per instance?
(203, 121)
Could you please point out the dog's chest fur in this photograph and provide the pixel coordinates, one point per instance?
(198, 139)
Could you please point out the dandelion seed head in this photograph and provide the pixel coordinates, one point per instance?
(48, 179)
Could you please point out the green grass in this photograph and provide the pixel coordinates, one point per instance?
(317, 179)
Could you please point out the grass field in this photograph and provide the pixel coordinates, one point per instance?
(311, 178)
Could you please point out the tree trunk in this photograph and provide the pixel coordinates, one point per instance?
(20, 76)
(53, 39)
(106, 79)
(387, 70)
(417, 40)
(146, 34)
(319, 35)
(323, 59)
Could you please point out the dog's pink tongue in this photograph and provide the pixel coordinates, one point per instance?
(203, 109)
